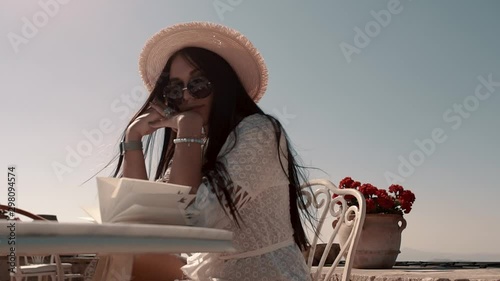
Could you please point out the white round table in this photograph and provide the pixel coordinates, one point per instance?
(44, 238)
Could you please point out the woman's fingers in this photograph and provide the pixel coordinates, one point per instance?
(165, 113)
(160, 109)
(141, 124)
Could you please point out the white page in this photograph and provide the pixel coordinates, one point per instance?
(166, 201)
(151, 215)
(132, 200)
(127, 186)
(93, 212)
(105, 188)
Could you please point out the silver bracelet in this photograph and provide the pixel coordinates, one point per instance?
(188, 140)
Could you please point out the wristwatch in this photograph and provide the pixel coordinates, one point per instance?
(131, 145)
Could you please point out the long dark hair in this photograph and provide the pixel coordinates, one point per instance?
(230, 105)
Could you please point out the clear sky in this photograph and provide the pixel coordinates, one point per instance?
(365, 89)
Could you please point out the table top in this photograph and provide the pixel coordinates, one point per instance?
(41, 238)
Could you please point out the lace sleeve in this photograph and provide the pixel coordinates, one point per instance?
(253, 164)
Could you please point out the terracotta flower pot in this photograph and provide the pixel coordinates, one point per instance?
(379, 243)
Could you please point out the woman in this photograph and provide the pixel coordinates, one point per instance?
(205, 80)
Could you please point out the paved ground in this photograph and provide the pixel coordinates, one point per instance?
(424, 274)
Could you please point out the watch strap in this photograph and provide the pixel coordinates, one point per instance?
(131, 145)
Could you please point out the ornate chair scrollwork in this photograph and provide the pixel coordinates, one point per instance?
(321, 202)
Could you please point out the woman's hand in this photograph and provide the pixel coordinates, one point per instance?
(189, 123)
(140, 126)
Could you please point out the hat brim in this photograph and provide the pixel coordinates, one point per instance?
(230, 44)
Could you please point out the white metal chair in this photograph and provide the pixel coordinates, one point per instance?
(37, 266)
(321, 201)
(34, 266)
(66, 268)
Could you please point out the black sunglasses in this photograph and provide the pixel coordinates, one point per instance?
(198, 87)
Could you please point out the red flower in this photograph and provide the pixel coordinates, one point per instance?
(396, 188)
(370, 205)
(368, 189)
(379, 200)
(355, 184)
(382, 193)
(405, 205)
(408, 196)
(385, 202)
(346, 183)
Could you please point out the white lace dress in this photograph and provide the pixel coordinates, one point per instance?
(264, 243)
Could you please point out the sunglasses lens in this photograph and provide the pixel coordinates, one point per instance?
(173, 92)
(199, 87)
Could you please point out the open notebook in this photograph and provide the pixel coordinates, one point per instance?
(124, 200)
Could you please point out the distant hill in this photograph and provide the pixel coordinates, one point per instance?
(408, 254)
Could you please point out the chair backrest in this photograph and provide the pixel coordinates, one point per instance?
(321, 201)
(34, 259)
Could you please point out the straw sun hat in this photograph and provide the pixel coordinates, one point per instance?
(230, 44)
